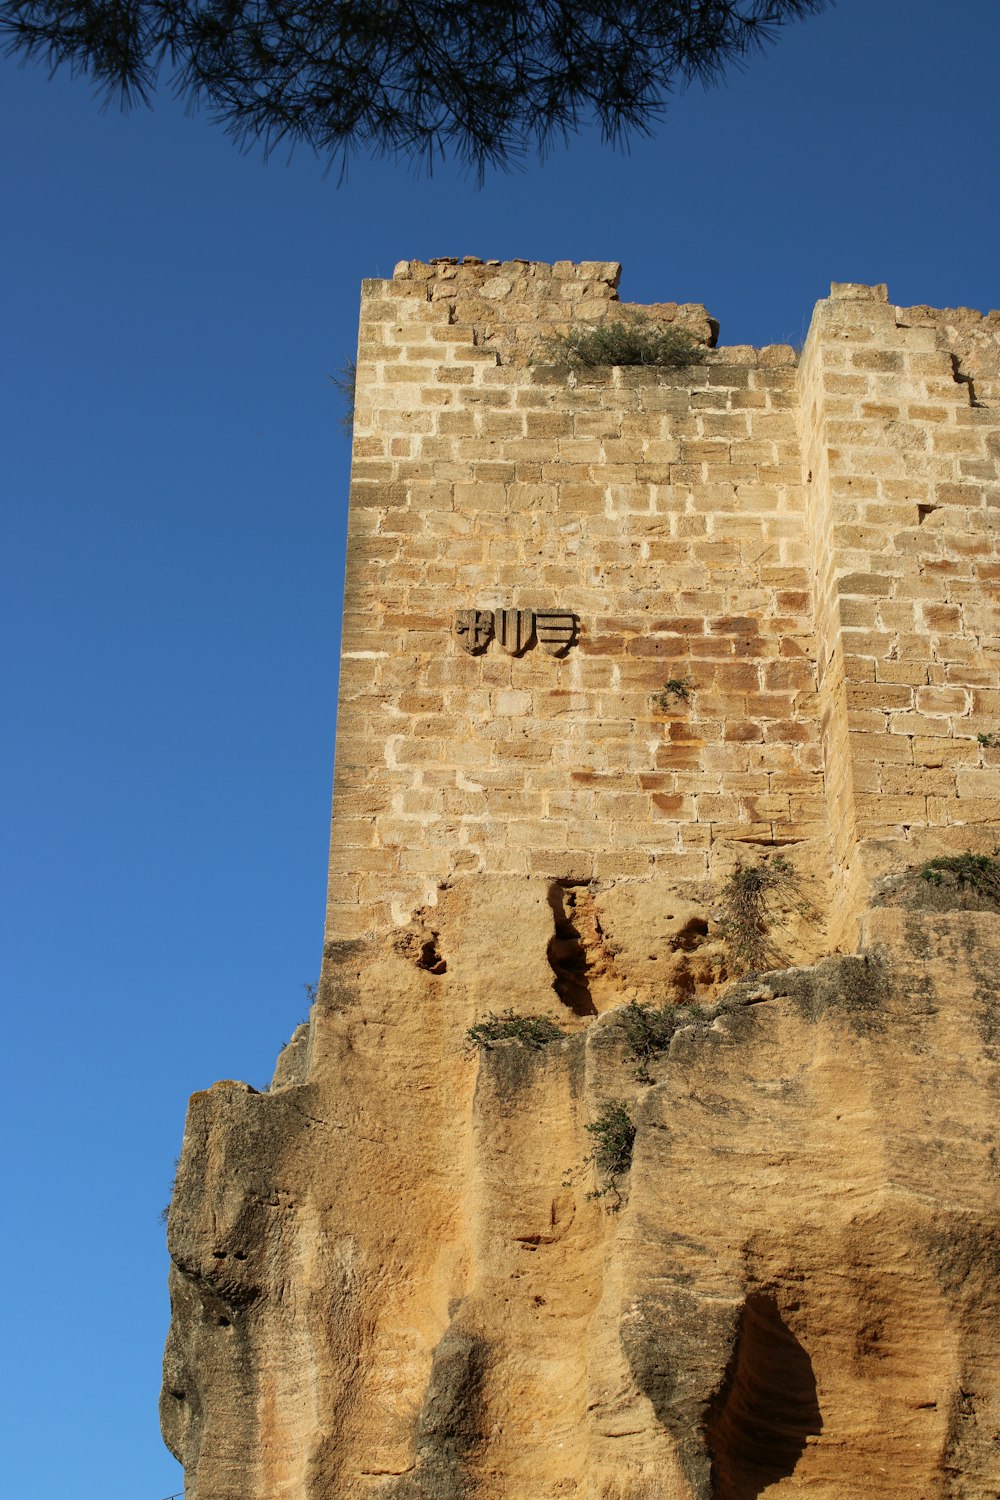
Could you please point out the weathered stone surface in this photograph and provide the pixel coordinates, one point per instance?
(389, 1278)
(807, 549)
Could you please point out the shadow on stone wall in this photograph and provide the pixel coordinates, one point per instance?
(767, 1409)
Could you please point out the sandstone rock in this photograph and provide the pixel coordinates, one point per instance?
(389, 1278)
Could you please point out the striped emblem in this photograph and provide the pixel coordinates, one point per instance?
(555, 631)
(514, 629)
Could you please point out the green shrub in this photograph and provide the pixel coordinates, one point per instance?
(746, 913)
(614, 1136)
(989, 741)
(533, 1031)
(675, 688)
(648, 1030)
(633, 340)
(979, 873)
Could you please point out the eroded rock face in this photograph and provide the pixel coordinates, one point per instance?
(390, 1278)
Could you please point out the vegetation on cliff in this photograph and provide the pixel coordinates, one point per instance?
(507, 1026)
(977, 874)
(748, 913)
(648, 1030)
(613, 1134)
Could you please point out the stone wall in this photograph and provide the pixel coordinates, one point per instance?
(902, 451)
(810, 547)
(404, 1271)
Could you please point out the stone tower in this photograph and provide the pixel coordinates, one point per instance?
(811, 545)
(621, 643)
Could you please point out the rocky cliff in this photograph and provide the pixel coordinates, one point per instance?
(393, 1277)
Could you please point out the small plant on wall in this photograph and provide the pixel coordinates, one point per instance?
(508, 1026)
(674, 692)
(748, 914)
(634, 339)
(648, 1030)
(977, 873)
(613, 1134)
(345, 382)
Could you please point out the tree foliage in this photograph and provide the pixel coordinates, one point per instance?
(485, 80)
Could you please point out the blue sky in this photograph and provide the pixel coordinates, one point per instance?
(173, 487)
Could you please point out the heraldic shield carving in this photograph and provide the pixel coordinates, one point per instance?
(556, 631)
(474, 628)
(516, 629)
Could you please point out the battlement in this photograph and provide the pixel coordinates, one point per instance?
(779, 577)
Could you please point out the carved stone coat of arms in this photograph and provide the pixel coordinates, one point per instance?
(515, 630)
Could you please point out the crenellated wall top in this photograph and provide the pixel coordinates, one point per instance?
(472, 271)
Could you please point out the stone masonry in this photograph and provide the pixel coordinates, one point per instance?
(806, 547)
(613, 635)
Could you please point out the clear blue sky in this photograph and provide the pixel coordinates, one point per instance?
(173, 488)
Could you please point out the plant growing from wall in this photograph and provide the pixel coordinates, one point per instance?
(346, 383)
(675, 690)
(164, 1213)
(635, 339)
(748, 914)
(311, 988)
(978, 873)
(648, 1030)
(613, 1133)
(533, 1031)
(989, 741)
